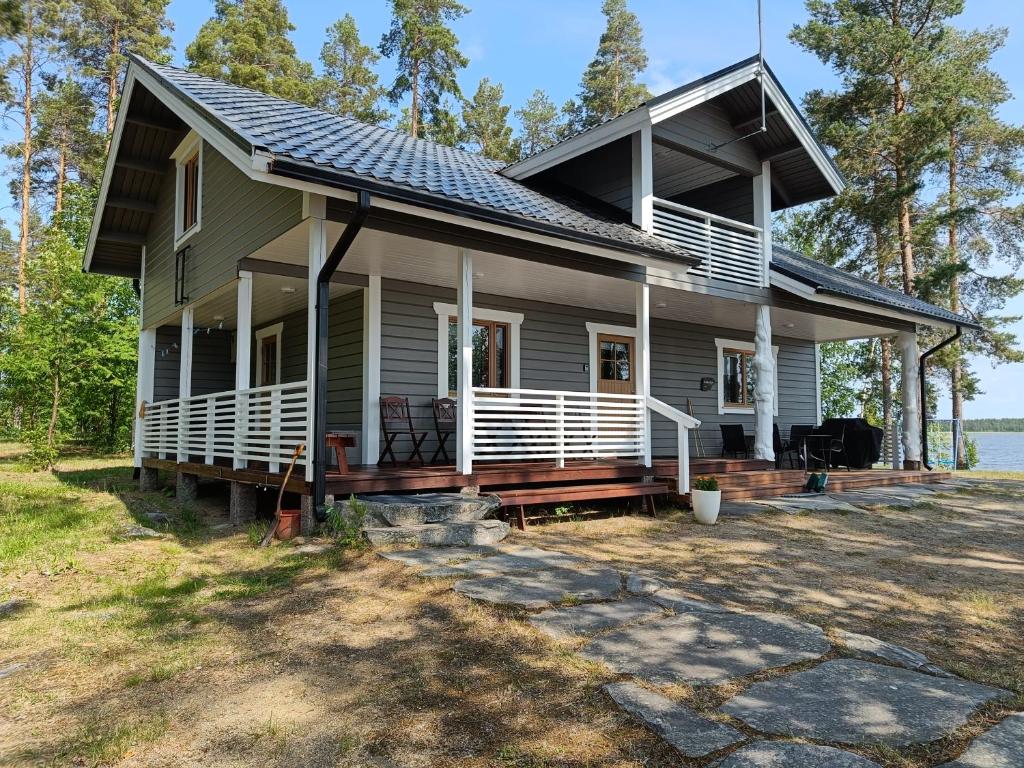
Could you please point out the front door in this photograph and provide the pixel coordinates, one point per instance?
(268, 360)
(615, 368)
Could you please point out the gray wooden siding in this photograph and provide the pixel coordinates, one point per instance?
(554, 350)
(166, 365)
(239, 215)
(732, 198)
(708, 125)
(605, 173)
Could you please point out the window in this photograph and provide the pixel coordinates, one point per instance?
(268, 355)
(188, 208)
(736, 377)
(616, 362)
(495, 349)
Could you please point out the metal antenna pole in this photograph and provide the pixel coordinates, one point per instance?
(760, 77)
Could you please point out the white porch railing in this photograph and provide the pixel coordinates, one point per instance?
(260, 424)
(684, 423)
(729, 250)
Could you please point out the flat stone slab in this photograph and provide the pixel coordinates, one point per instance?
(1001, 747)
(140, 532)
(428, 557)
(440, 534)
(873, 499)
(512, 560)
(704, 647)
(809, 503)
(544, 589)
(642, 584)
(594, 617)
(679, 726)
(421, 508)
(675, 601)
(849, 701)
(11, 669)
(789, 754)
(874, 649)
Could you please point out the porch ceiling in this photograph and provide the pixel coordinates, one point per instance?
(404, 258)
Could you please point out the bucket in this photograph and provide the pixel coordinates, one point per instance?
(290, 524)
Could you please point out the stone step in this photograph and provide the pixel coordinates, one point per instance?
(449, 534)
(422, 508)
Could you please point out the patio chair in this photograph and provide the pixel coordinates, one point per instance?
(734, 441)
(837, 455)
(445, 425)
(777, 446)
(396, 420)
(795, 445)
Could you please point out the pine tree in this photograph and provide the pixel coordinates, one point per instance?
(349, 86)
(98, 35)
(539, 124)
(427, 56)
(485, 123)
(246, 43)
(609, 85)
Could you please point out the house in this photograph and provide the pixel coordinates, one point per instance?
(595, 310)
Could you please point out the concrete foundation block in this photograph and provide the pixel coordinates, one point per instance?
(186, 488)
(149, 479)
(243, 502)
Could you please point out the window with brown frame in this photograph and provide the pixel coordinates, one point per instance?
(190, 193)
(490, 354)
(737, 378)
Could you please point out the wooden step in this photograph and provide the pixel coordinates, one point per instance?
(521, 497)
(735, 489)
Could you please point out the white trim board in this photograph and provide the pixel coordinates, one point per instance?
(271, 330)
(190, 145)
(445, 311)
(593, 331)
(371, 369)
(742, 346)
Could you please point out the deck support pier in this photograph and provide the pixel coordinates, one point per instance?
(764, 385)
(149, 479)
(911, 400)
(242, 504)
(186, 488)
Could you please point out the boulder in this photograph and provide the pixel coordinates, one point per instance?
(422, 508)
(451, 534)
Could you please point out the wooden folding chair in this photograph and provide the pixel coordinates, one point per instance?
(445, 425)
(395, 420)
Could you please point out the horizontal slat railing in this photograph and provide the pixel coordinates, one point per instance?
(261, 424)
(525, 424)
(684, 423)
(729, 250)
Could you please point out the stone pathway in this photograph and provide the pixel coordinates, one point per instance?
(646, 630)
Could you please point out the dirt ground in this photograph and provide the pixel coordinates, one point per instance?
(198, 649)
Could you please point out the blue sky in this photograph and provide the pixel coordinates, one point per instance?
(530, 44)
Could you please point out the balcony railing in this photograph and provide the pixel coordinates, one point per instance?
(729, 250)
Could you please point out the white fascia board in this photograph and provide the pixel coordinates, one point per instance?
(696, 96)
(579, 144)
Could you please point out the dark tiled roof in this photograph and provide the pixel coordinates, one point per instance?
(829, 280)
(349, 150)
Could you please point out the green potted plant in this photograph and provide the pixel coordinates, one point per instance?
(706, 499)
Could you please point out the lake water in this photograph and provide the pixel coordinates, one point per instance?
(999, 450)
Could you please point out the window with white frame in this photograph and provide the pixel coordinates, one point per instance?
(268, 355)
(737, 377)
(495, 348)
(188, 205)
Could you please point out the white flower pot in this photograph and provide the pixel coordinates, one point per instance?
(706, 505)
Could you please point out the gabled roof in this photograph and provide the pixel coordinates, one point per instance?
(829, 281)
(314, 145)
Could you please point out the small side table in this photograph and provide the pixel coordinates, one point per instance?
(339, 441)
(820, 442)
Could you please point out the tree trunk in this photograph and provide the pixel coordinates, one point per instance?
(956, 372)
(414, 122)
(26, 159)
(51, 430)
(112, 72)
(899, 105)
(62, 173)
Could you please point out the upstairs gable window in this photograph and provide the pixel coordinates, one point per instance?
(188, 208)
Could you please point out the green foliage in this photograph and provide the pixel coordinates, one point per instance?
(485, 125)
(609, 86)
(707, 483)
(246, 43)
(993, 425)
(349, 86)
(346, 522)
(427, 58)
(971, 448)
(539, 124)
(841, 379)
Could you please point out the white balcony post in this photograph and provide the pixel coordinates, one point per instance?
(243, 361)
(764, 385)
(643, 362)
(763, 218)
(144, 388)
(211, 427)
(317, 206)
(643, 179)
(911, 392)
(464, 317)
(371, 370)
(185, 380)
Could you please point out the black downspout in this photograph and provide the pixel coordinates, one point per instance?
(323, 299)
(924, 395)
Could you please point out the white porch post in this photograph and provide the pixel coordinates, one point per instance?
(317, 209)
(643, 179)
(243, 361)
(143, 386)
(763, 218)
(185, 379)
(371, 370)
(643, 360)
(464, 317)
(911, 391)
(764, 385)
